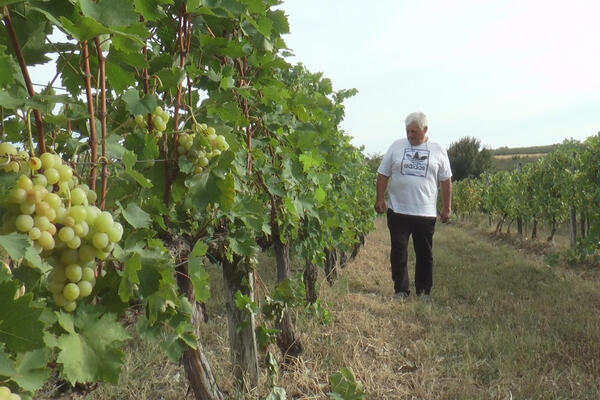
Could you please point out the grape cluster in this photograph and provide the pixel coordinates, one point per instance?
(6, 394)
(160, 118)
(49, 205)
(201, 146)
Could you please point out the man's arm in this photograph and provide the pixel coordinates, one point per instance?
(446, 199)
(382, 182)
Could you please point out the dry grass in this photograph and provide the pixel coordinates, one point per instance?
(501, 324)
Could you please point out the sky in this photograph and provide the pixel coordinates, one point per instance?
(509, 73)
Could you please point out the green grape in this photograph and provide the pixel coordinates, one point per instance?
(24, 223)
(24, 182)
(65, 172)
(47, 160)
(78, 196)
(73, 272)
(100, 240)
(202, 161)
(42, 208)
(41, 222)
(104, 222)
(101, 255)
(46, 241)
(66, 233)
(52, 175)
(74, 243)
(91, 196)
(78, 213)
(81, 229)
(6, 149)
(115, 233)
(87, 253)
(85, 288)
(35, 233)
(92, 213)
(71, 291)
(69, 256)
(139, 120)
(59, 298)
(70, 306)
(27, 208)
(61, 215)
(35, 163)
(88, 274)
(40, 180)
(53, 200)
(56, 287)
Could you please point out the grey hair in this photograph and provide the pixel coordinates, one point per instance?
(417, 117)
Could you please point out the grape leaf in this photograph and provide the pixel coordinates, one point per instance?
(130, 277)
(136, 217)
(92, 351)
(199, 278)
(20, 327)
(31, 370)
(110, 12)
(6, 364)
(15, 244)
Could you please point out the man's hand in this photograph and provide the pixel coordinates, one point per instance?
(380, 206)
(445, 215)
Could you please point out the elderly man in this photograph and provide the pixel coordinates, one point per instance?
(413, 166)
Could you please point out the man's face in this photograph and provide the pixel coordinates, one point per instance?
(415, 134)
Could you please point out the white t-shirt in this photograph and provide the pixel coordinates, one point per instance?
(414, 172)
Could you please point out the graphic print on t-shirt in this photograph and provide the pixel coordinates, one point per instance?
(415, 162)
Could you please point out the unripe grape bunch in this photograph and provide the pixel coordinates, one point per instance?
(160, 118)
(201, 146)
(49, 205)
(6, 394)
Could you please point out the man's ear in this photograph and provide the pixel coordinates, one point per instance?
(425, 129)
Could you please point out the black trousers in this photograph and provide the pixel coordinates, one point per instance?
(401, 227)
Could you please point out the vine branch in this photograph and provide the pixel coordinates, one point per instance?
(23, 65)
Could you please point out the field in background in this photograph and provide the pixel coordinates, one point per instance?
(501, 324)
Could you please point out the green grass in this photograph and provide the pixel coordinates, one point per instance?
(501, 324)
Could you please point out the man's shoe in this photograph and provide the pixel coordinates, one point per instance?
(400, 296)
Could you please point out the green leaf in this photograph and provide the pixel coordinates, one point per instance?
(7, 71)
(244, 302)
(31, 370)
(15, 244)
(129, 160)
(199, 249)
(6, 364)
(227, 82)
(110, 12)
(205, 189)
(11, 101)
(93, 352)
(84, 28)
(171, 77)
(20, 326)
(136, 217)
(320, 195)
(118, 77)
(151, 10)
(135, 105)
(130, 277)
(200, 279)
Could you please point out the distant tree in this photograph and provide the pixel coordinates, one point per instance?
(373, 161)
(467, 159)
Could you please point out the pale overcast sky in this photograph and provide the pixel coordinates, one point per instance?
(511, 73)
